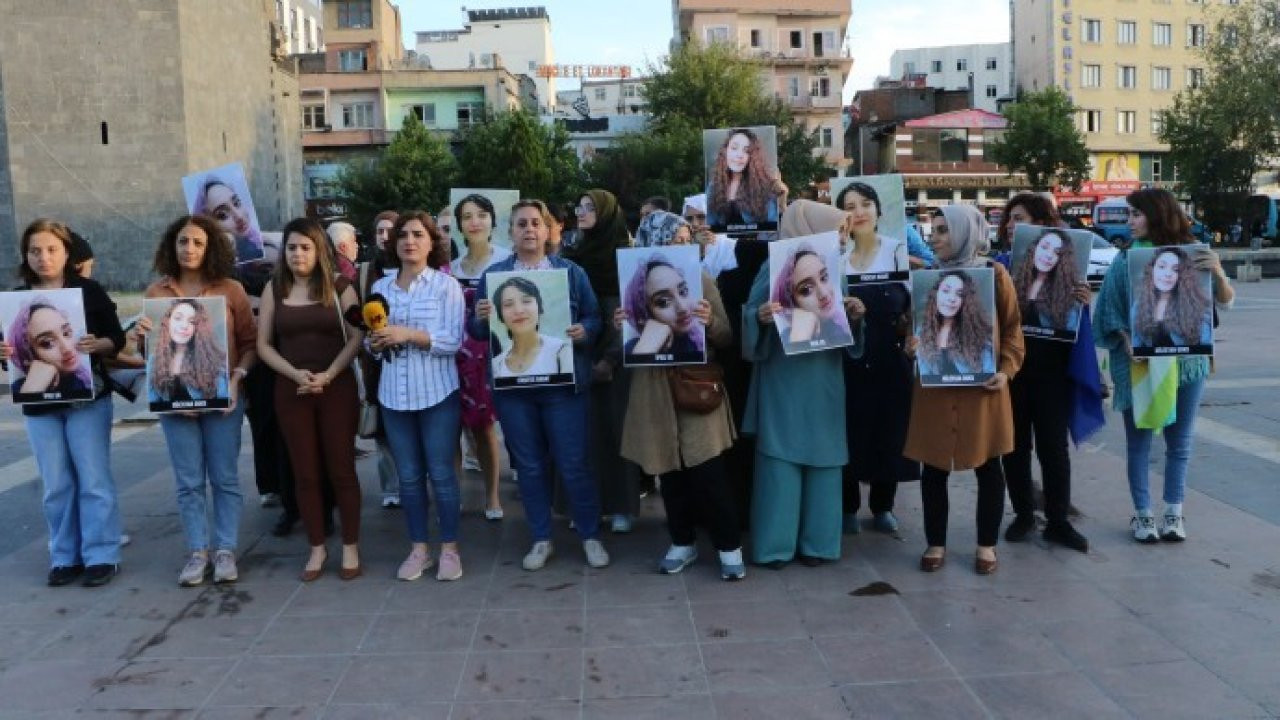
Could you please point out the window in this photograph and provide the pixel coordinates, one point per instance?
(630, 91)
(1161, 34)
(992, 63)
(819, 87)
(1157, 124)
(1161, 78)
(1127, 32)
(357, 115)
(795, 40)
(825, 137)
(1092, 31)
(470, 113)
(1091, 121)
(717, 34)
(1157, 163)
(1195, 35)
(909, 68)
(600, 93)
(940, 146)
(793, 86)
(935, 66)
(993, 91)
(824, 43)
(1126, 122)
(355, 13)
(1090, 76)
(353, 60)
(757, 39)
(1127, 77)
(1195, 77)
(313, 117)
(962, 65)
(425, 112)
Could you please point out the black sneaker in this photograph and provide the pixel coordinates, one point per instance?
(1065, 535)
(99, 575)
(64, 575)
(1021, 526)
(284, 525)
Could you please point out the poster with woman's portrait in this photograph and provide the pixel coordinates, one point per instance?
(529, 325)
(878, 220)
(743, 183)
(804, 278)
(1048, 266)
(223, 194)
(954, 312)
(187, 364)
(1171, 302)
(660, 288)
(42, 328)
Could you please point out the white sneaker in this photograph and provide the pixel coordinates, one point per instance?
(224, 567)
(596, 555)
(538, 555)
(469, 462)
(678, 558)
(194, 571)
(391, 501)
(1144, 529)
(1172, 529)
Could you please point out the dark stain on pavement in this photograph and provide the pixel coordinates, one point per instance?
(876, 588)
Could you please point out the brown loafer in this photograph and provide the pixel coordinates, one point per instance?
(932, 564)
(350, 573)
(311, 575)
(985, 567)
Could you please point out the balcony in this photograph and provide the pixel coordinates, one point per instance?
(345, 138)
(800, 56)
(802, 103)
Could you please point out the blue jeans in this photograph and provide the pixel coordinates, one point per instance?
(541, 420)
(1177, 449)
(207, 446)
(423, 442)
(73, 451)
(388, 479)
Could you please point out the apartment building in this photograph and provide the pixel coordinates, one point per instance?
(300, 26)
(613, 96)
(1122, 62)
(984, 69)
(521, 35)
(800, 46)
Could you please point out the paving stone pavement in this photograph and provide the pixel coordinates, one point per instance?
(1165, 631)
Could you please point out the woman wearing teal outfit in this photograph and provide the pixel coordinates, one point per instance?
(795, 503)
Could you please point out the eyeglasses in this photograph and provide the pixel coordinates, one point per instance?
(584, 209)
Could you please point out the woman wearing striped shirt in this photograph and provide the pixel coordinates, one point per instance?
(418, 392)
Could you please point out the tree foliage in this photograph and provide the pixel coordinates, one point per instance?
(517, 150)
(415, 171)
(1221, 133)
(1042, 141)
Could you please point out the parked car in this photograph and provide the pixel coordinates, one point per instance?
(1111, 221)
(1100, 257)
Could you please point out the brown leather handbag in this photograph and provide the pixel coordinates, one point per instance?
(697, 388)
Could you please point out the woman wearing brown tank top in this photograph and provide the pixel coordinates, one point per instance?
(302, 336)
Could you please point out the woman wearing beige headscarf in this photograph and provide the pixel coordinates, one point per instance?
(962, 428)
(796, 410)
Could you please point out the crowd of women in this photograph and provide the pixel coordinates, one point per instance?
(755, 438)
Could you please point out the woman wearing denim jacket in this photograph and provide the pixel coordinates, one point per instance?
(549, 420)
(205, 447)
(71, 441)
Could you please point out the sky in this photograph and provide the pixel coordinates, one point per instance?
(638, 32)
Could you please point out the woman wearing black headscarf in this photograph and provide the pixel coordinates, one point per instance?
(603, 230)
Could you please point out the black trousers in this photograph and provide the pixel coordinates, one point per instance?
(881, 494)
(936, 505)
(271, 469)
(1040, 409)
(700, 495)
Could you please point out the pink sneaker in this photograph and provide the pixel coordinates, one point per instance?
(413, 566)
(450, 566)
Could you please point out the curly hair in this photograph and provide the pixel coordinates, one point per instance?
(219, 254)
(58, 230)
(756, 188)
(437, 257)
(23, 354)
(1188, 302)
(203, 362)
(970, 330)
(1037, 206)
(1058, 292)
(1167, 224)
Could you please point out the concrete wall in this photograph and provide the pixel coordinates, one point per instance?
(975, 57)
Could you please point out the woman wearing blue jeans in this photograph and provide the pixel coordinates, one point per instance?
(549, 421)
(205, 446)
(1155, 219)
(72, 440)
(418, 389)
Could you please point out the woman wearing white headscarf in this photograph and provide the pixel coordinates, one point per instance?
(717, 250)
(962, 428)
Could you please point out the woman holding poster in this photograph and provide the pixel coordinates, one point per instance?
(878, 384)
(72, 441)
(1155, 217)
(1050, 294)
(186, 363)
(552, 420)
(46, 361)
(659, 305)
(955, 334)
(795, 504)
(959, 428)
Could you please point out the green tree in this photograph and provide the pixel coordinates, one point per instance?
(1042, 141)
(414, 172)
(1221, 133)
(695, 88)
(517, 150)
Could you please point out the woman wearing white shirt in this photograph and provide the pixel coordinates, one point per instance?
(418, 392)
